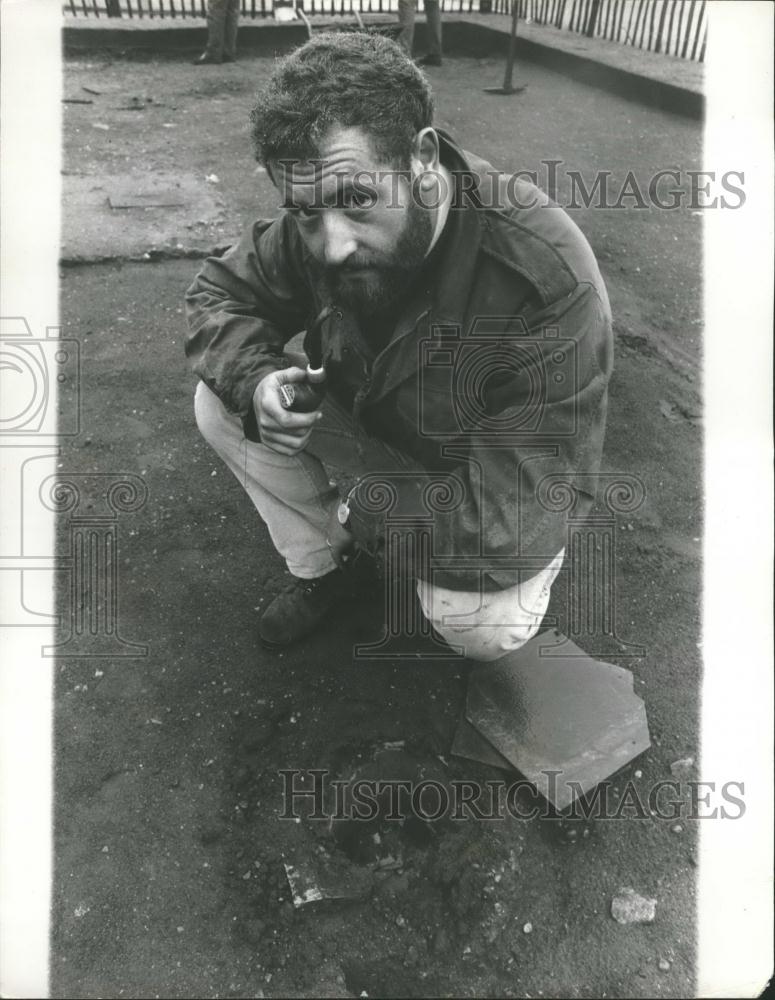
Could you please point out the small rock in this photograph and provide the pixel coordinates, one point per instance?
(180, 930)
(639, 774)
(528, 928)
(682, 768)
(400, 922)
(630, 908)
(677, 828)
(664, 965)
(105, 849)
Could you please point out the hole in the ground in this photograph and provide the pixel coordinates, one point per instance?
(393, 824)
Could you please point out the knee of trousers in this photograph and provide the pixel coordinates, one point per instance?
(485, 641)
(487, 626)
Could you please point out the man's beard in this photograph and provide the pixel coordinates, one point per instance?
(369, 285)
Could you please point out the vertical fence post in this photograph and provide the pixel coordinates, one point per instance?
(589, 30)
(113, 8)
(670, 27)
(699, 28)
(634, 40)
(642, 41)
(688, 34)
(661, 28)
(678, 35)
(627, 36)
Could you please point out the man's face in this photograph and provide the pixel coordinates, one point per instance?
(358, 217)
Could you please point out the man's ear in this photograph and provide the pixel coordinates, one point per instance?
(426, 149)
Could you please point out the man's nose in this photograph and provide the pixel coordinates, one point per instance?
(338, 238)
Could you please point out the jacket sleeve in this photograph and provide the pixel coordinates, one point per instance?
(542, 424)
(241, 309)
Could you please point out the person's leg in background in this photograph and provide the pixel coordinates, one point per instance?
(433, 29)
(216, 26)
(406, 12)
(230, 31)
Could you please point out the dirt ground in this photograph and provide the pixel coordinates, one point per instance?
(169, 844)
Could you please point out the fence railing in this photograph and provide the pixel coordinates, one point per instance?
(672, 27)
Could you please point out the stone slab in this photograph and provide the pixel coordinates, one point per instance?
(126, 215)
(567, 714)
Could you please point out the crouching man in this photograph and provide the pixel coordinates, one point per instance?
(465, 335)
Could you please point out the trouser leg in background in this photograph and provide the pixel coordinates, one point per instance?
(406, 12)
(433, 26)
(218, 14)
(230, 29)
(295, 498)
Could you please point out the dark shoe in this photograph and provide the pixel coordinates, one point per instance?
(206, 60)
(300, 607)
(429, 60)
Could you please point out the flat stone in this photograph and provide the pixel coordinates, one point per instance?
(470, 743)
(319, 876)
(630, 908)
(566, 722)
(165, 198)
(121, 215)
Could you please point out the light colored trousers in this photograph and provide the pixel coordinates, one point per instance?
(222, 17)
(295, 497)
(406, 12)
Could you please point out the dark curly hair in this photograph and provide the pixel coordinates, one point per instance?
(347, 79)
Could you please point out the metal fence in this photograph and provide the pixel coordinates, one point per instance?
(672, 27)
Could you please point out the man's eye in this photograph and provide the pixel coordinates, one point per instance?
(360, 199)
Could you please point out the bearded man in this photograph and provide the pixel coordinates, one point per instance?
(465, 333)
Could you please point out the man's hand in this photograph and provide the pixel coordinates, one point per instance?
(282, 430)
(340, 541)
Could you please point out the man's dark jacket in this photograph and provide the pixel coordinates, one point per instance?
(494, 380)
